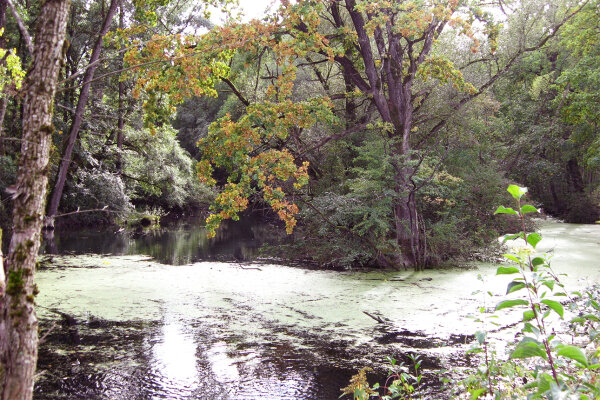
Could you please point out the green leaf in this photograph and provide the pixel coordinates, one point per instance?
(538, 261)
(549, 284)
(573, 353)
(512, 236)
(530, 328)
(475, 393)
(555, 305)
(514, 286)
(528, 315)
(528, 348)
(505, 210)
(533, 239)
(512, 257)
(516, 191)
(474, 350)
(591, 317)
(480, 335)
(507, 270)
(544, 383)
(511, 303)
(528, 209)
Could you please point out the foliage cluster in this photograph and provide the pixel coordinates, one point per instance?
(400, 384)
(160, 172)
(387, 127)
(546, 362)
(549, 115)
(11, 70)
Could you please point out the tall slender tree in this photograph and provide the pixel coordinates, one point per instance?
(18, 321)
(79, 115)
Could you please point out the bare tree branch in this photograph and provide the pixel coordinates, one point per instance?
(235, 91)
(22, 27)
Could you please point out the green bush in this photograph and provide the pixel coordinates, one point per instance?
(95, 189)
(158, 172)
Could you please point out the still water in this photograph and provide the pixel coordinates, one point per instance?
(165, 317)
(178, 242)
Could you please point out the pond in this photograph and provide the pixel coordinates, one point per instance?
(180, 241)
(133, 326)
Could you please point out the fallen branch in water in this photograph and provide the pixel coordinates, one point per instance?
(86, 211)
(377, 318)
(70, 322)
(43, 338)
(242, 267)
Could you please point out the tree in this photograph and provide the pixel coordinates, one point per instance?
(388, 58)
(79, 114)
(18, 323)
(551, 121)
(145, 17)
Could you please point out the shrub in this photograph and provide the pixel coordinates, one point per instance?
(96, 189)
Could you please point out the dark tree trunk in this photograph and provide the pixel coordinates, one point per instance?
(3, 105)
(575, 175)
(559, 207)
(18, 322)
(3, 6)
(120, 122)
(78, 117)
(3, 99)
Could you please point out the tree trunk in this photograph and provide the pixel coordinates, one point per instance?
(3, 105)
(575, 175)
(120, 122)
(3, 99)
(18, 323)
(2, 289)
(78, 117)
(408, 233)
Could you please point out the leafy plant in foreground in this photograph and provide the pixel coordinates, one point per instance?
(555, 369)
(400, 383)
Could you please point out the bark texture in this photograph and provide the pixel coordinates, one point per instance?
(3, 99)
(121, 120)
(18, 323)
(78, 117)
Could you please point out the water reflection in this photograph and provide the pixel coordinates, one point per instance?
(177, 243)
(132, 361)
(174, 358)
(223, 367)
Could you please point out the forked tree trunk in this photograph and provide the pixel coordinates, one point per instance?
(408, 231)
(78, 117)
(18, 322)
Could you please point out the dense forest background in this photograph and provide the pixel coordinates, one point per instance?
(380, 133)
